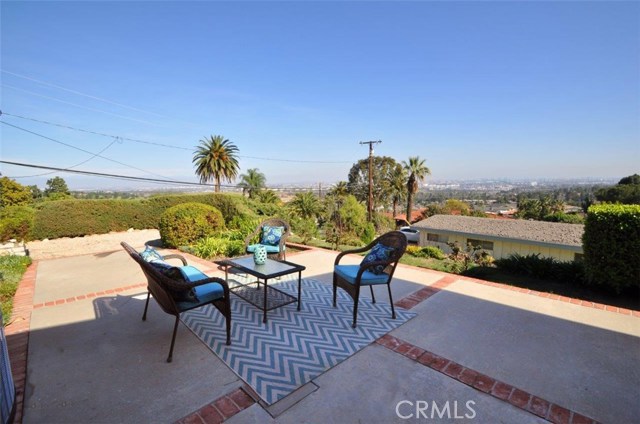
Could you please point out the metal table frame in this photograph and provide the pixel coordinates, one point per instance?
(271, 297)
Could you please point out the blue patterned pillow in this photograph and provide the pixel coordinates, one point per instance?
(271, 235)
(151, 255)
(379, 252)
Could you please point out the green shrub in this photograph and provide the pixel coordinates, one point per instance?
(16, 222)
(368, 233)
(543, 267)
(212, 247)
(611, 243)
(432, 252)
(11, 270)
(71, 218)
(564, 217)
(185, 223)
(305, 228)
(414, 250)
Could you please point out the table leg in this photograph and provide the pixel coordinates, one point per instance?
(299, 287)
(264, 320)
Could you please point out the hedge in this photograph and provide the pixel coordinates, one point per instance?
(72, 218)
(16, 222)
(611, 244)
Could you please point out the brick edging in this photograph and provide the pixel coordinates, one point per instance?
(220, 409)
(85, 296)
(486, 384)
(17, 332)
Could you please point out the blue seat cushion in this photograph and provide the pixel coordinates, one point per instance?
(349, 273)
(270, 248)
(204, 293)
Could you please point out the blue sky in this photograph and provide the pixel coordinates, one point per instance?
(477, 89)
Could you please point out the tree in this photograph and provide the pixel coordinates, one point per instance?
(36, 193)
(13, 193)
(397, 187)
(340, 189)
(252, 182)
(627, 191)
(268, 196)
(358, 183)
(538, 209)
(216, 159)
(56, 185)
(306, 205)
(417, 171)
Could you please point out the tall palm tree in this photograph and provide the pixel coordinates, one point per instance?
(252, 182)
(398, 187)
(215, 159)
(417, 171)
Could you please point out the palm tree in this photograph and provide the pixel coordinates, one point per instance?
(252, 182)
(340, 189)
(306, 205)
(398, 187)
(215, 159)
(417, 171)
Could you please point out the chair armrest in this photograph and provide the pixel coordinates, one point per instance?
(174, 256)
(250, 237)
(223, 283)
(346, 252)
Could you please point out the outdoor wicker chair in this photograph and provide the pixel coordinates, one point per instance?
(176, 295)
(377, 268)
(272, 234)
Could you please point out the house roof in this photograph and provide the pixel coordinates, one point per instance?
(539, 232)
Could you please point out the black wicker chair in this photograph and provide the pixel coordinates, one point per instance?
(273, 251)
(351, 278)
(165, 291)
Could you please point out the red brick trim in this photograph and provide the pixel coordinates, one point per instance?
(424, 293)
(484, 383)
(17, 332)
(88, 296)
(220, 409)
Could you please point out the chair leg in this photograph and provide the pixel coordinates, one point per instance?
(228, 320)
(372, 295)
(146, 305)
(355, 306)
(173, 338)
(335, 289)
(393, 310)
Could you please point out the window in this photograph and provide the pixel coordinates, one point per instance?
(438, 238)
(483, 244)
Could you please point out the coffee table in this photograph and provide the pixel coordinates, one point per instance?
(269, 298)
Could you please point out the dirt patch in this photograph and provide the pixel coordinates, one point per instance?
(97, 243)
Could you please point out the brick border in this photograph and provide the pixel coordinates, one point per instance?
(486, 384)
(17, 332)
(87, 296)
(220, 409)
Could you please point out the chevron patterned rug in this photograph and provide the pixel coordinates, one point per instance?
(293, 347)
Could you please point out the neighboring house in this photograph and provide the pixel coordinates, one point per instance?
(502, 237)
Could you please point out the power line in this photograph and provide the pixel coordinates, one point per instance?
(131, 178)
(159, 144)
(69, 167)
(82, 107)
(82, 150)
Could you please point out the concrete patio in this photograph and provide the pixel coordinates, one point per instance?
(477, 352)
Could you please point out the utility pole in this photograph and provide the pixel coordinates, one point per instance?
(370, 203)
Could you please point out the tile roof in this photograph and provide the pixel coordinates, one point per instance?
(514, 229)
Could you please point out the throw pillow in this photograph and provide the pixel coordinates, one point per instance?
(271, 235)
(180, 288)
(379, 252)
(151, 255)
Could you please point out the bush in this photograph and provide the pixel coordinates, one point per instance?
(185, 223)
(305, 228)
(72, 218)
(368, 233)
(220, 246)
(543, 267)
(11, 270)
(564, 217)
(16, 222)
(433, 252)
(611, 243)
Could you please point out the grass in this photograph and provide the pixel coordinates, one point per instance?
(11, 270)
